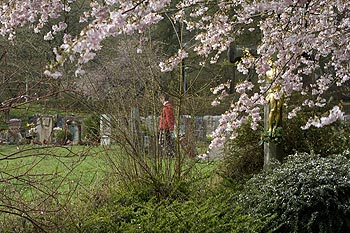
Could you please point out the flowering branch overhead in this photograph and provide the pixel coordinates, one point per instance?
(308, 39)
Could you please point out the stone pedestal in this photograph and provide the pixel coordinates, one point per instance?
(272, 151)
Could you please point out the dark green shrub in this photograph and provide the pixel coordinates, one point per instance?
(308, 192)
(244, 155)
(215, 213)
(92, 129)
(331, 139)
(62, 136)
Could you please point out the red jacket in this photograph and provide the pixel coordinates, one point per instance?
(166, 120)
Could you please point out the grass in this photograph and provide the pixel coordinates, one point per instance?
(63, 166)
(46, 178)
(67, 168)
(77, 178)
(87, 163)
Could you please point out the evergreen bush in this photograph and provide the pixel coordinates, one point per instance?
(92, 129)
(244, 156)
(62, 136)
(308, 192)
(215, 214)
(328, 140)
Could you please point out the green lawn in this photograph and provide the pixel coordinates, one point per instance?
(65, 168)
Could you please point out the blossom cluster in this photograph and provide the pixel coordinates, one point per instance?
(308, 40)
(173, 61)
(334, 114)
(221, 91)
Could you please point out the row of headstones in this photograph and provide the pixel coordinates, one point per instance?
(197, 127)
(44, 127)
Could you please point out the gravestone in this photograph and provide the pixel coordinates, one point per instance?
(74, 128)
(105, 130)
(73, 124)
(45, 129)
(211, 122)
(14, 132)
(4, 136)
(149, 134)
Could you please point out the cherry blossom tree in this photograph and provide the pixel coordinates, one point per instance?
(307, 40)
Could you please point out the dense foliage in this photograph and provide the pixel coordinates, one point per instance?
(213, 212)
(309, 193)
(331, 139)
(91, 129)
(244, 156)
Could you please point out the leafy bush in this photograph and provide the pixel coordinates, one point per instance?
(92, 129)
(331, 139)
(215, 213)
(309, 193)
(328, 140)
(62, 136)
(244, 155)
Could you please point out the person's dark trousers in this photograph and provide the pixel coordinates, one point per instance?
(166, 142)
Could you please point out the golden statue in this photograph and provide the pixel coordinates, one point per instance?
(275, 103)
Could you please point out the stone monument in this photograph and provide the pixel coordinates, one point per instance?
(44, 129)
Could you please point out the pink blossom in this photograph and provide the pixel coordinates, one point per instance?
(334, 114)
(54, 75)
(244, 86)
(48, 36)
(215, 102)
(308, 39)
(173, 61)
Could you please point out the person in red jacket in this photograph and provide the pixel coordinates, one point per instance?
(166, 126)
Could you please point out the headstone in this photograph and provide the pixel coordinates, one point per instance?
(211, 122)
(45, 129)
(59, 122)
(149, 134)
(105, 140)
(73, 124)
(4, 137)
(135, 128)
(184, 123)
(15, 131)
(105, 130)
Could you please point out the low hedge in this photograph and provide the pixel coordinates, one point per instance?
(309, 193)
